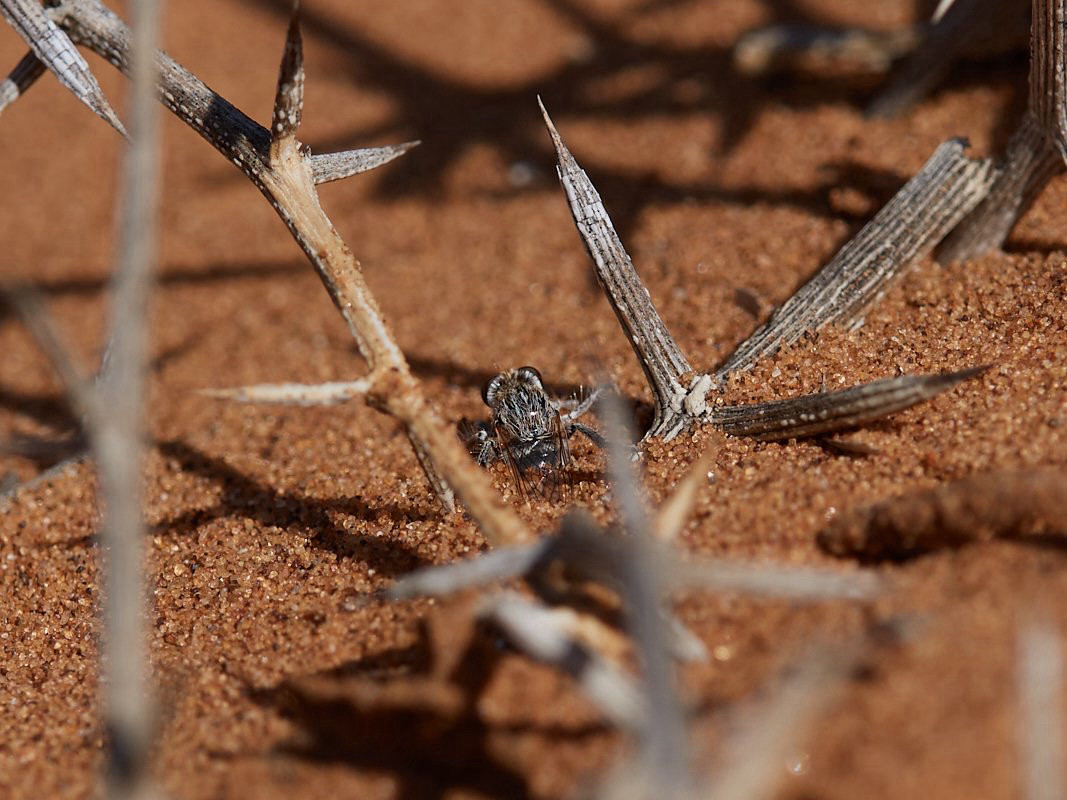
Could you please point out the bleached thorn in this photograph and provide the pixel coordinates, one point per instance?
(548, 635)
(496, 565)
(300, 394)
(334, 166)
(289, 98)
(675, 511)
(1040, 686)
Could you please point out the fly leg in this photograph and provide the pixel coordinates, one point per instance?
(576, 407)
(480, 442)
(591, 434)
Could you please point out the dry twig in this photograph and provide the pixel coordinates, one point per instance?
(640, 578)
(119, 432)
(111, 409)
(277, 163)
(947, 187)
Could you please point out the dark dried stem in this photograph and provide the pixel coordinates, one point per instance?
(1035, 153)
(813, 414)
(1030, 161)
(978, 508)
(928, 206)
(22, 77)
(663, 362)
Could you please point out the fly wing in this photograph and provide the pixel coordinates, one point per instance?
(549, 478)
(553, 475)
(560, 475)
(563, 438)
(507, 448)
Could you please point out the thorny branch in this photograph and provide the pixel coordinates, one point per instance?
(278, 164)
(275, 162)
(52, 48)
(929, 205)
(625, 564)
(1035, 153)
(639, 569)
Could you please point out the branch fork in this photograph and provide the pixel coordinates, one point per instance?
(948, 187)
(287, 173)
(641, 565)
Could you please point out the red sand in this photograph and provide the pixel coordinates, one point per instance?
(269, 524)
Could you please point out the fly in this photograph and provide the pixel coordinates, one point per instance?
(528, 430)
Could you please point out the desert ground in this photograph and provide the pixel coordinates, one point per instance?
(278, 673)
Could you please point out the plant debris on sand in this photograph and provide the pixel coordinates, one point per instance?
(274, 531)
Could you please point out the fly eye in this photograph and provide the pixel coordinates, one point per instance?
(530, 375)
(490, 389)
